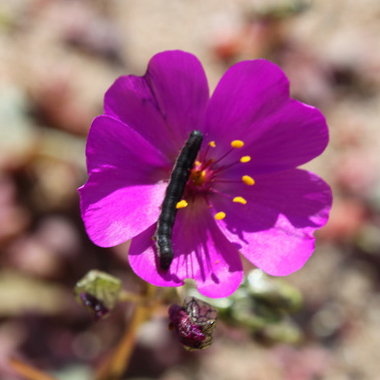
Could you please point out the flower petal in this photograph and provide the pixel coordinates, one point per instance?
(143, 260)
(251, 103)
(275, 228)
(201, 252)
(123, 194)
(164, 105)
(113, 144)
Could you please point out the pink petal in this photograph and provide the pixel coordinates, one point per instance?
(122, 196)
(275, 228)
(164, 105)
(201, 252)
(251, 103)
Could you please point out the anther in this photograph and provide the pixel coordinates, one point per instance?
(248, 180)
(212, 144)
(220, 215)
(245, 159)
(239, 200)
(181, 204)
(237, 144)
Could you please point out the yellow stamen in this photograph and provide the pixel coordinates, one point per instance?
(181, 204)
(212, 144)
(239, 200)
(245, 159)
(248, 180)
(197, 163)
(220, 215)
(237, 144)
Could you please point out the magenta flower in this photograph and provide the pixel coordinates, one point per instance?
(244, 194)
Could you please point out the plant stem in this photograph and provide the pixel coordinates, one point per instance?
(118, 362)
(28, 371)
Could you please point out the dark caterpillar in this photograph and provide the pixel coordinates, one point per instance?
(174, 193)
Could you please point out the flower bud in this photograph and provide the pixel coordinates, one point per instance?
(98, 292)
(193, 323)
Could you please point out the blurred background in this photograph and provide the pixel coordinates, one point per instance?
(58, 57)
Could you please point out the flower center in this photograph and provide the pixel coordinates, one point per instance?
(198, 175)
(208, 172)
